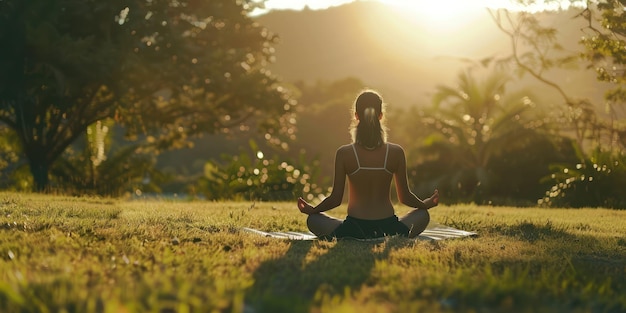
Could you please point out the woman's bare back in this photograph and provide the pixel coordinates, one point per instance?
(370, 173)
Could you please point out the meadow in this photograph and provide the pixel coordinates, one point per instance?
(87, 254)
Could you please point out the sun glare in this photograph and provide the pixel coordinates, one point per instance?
(433, 26)
(441, 15)
(445, 12)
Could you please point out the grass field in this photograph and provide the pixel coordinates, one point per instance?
(63, 254)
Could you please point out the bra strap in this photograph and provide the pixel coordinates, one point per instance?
(356, 156)
(386, 154)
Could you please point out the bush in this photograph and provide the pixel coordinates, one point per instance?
(598, 181)
(246, 177)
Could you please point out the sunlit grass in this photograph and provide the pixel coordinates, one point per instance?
(61, 254)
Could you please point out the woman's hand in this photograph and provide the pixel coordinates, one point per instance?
(305, 207)
(433, 201)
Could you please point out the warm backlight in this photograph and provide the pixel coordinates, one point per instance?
(441, 15)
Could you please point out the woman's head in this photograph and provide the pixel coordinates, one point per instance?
(367, 127)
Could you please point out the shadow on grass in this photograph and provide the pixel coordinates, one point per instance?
(545, 267)
(527, 231)
(583, 254)
(297, 280)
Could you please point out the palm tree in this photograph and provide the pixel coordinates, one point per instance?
(473, 127)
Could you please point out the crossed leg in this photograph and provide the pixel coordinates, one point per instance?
(322, 224)
(417, 220)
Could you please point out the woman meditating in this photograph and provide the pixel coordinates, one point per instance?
(369, 163)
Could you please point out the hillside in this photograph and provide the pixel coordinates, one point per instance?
(395, 54)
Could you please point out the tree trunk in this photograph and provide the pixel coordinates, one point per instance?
(39, 170)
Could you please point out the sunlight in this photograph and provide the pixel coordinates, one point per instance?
(430, 27)
(440, 12)
(446, 25)
(442, 15)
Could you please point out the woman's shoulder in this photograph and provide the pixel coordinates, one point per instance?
(345, 147)
(396, 155)
(394, 147)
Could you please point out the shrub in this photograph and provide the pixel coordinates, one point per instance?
(597, 181)
(257, 177)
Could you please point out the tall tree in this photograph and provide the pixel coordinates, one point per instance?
(165, 69)
(605, 43)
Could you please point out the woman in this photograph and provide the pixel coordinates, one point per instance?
(369, 163)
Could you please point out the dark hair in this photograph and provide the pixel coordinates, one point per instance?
(368, 130)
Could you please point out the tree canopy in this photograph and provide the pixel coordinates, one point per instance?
(164, 69)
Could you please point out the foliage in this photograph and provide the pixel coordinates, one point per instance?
(8, 154)
(170, 69)
(604, 44)
(597, 181)
(258, 177)
(481, 134)
(14, 172)
(535, 52)
(127, 170)
(96, 165)
(208, 62)
(86, 254)
(54, 76)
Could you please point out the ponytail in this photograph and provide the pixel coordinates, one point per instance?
(370, 116)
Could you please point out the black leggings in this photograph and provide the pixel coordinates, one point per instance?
(367, 229)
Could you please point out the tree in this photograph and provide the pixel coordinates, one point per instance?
(477, 128)
(599, 130)
(164, 69)
(535, 51)
(605, 49)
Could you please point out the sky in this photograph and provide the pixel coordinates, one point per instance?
(424, 5)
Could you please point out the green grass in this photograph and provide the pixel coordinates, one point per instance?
(62, 254)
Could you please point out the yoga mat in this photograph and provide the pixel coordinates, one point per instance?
(434, 232)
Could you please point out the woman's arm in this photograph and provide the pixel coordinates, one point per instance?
(405, 195)
(336, 195)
